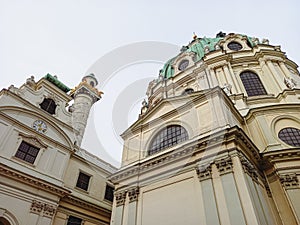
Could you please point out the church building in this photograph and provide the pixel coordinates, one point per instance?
(45, 177)
(217, 141)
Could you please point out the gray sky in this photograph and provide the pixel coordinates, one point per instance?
(66, 38)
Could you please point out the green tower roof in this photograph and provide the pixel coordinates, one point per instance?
(197, 46)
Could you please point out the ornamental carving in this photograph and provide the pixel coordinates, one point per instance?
(224, 165)
(289, 181)
(120, 198)
(133, 194)
(49, 210)
(30, 139)
(249, 168)
(38, 207)
(204, 172)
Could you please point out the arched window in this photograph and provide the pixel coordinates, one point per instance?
(48, 105)
(167, 137)
(252, 84)
(290, 135)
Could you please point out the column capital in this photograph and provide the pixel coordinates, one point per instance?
(289, 181)
(204, 172)
(133, 194)
(224, 165)
(120, 198)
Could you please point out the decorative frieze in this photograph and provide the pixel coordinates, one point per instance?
(289, 181)
(204, 172)
(133, 194)
(45, 209)
(120, 198)
(224, 165)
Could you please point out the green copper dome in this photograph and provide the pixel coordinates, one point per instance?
(198, 46)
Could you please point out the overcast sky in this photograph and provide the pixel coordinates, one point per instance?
(68, 38)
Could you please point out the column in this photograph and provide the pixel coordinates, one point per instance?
(120, 198)
(236, 215)
(132, 206)
(285, 71)
(209, 200)
(229, 79)
(278, 79)
(290, 183)
(214, 79)
(244, 173)
(44, 213)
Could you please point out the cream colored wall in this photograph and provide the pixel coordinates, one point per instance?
(199, 118)
(265, 124)
(97, 185)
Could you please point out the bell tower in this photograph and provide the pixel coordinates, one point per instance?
(84, 95)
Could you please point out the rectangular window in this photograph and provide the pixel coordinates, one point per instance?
(83, 181)
(27, 152)
(74, 221)
(109, 193)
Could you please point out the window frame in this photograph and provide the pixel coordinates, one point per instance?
(68, 221)
(105, 193)
(46, 105)
(78, 185)
(253, 84)
(286, 138)
(25, 152)
(164, 138)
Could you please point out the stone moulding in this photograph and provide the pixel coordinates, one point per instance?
(38, 207)
(133, 194)
(289, 181)
(232, 134)
(120, 198)
(224, 165)
(32, 181)
(204, 172)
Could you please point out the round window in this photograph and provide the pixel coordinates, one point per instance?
(290, 135)
(234, 46)
(183, 64)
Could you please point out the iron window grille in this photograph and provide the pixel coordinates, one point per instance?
(83, 181)
(290, 135)
(27, 152)
(168, 137)
(252, 84)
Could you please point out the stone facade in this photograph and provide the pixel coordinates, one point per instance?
(41, 159)
(238, 99)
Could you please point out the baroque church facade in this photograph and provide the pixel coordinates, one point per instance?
(217, 142)
(45, 177)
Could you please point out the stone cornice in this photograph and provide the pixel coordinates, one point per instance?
(234, 134)
(32, 181)
(282, 155)
(194, 99)
(83, 203)
(40, 135)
